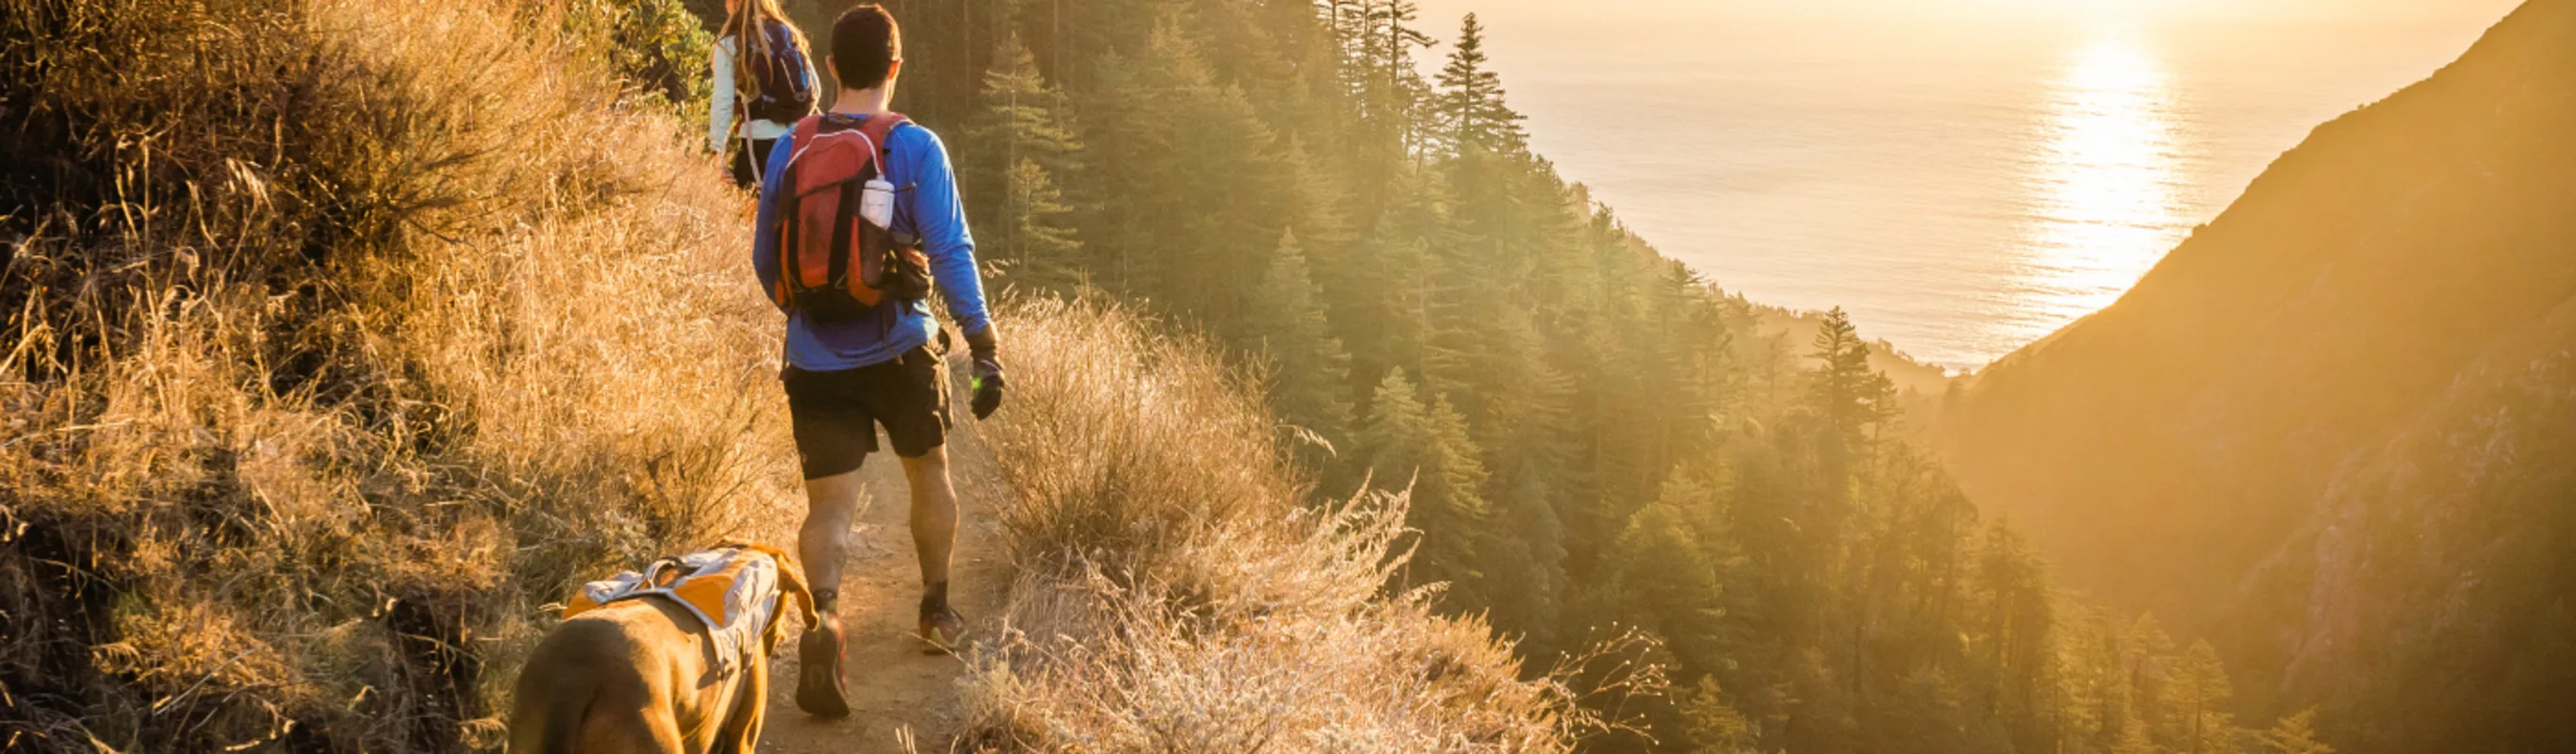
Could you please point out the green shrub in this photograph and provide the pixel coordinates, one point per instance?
(659, 47)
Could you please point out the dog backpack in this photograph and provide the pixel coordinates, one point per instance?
(734, 590)
(782, 83)
(839, 255)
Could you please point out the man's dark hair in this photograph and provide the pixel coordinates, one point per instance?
(865, 44)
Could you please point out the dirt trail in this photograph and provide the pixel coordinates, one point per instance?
(894, 687)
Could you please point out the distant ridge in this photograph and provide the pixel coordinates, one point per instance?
(2334, 427)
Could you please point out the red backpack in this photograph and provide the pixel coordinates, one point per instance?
(833, 264)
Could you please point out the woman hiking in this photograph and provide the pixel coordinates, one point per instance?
(763, 83)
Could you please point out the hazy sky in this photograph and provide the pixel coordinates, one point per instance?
(1962, 176)
(1983, 9)
(1632, 29)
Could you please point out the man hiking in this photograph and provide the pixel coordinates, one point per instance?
(859, 215)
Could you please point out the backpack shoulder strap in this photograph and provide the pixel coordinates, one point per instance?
(802, 137)
(806, 128)
(878, 128)
(791, 229)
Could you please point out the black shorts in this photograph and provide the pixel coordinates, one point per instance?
(835, 414)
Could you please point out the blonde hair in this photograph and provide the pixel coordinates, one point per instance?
(751, 42)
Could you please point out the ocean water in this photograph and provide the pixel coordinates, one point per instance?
(1962, 185)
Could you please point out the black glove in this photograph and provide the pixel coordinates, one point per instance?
(986, 380)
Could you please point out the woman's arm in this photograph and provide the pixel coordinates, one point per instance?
(720, 106)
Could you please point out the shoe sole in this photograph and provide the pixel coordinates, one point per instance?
(941, 642)
(819, 694)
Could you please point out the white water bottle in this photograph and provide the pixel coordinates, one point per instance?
(876, 202)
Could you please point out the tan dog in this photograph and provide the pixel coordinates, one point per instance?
(645, 676)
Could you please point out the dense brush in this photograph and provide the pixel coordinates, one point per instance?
(1178, 595)
(342, 336)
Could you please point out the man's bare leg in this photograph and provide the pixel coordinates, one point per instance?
(831, 503)
(934, 513)
(934, 537)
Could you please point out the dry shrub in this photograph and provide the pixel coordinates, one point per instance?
(343, 335)
(1177, 596)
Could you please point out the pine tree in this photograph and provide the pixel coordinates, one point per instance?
(1458, 495)
(1186, 210)
(1311, 371)
(1022, 115)
(1354, 38)
(1020, 132)
(1405, 439)
(1035, 236)
(1525, 565)
(1402, 89)
(2096, 681)
(1216, 215)
(2133, 739)
(1397, 267)
(2200, 693)
(1397, 37)
(2150, 662)
(1473, 116)
(2019, 625)
(1377, 41)
(2295, 734)
(1714, 727)
(1315, 205)
(1855, 399)
(1668, 573)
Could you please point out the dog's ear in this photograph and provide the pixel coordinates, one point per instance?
(791, 579)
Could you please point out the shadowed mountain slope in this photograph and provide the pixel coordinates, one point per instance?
(2331, 427)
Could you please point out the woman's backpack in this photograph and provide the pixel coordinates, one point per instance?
(782, 80)
(835, 264)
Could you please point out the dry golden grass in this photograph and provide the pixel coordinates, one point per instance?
(1177, 596)
(358, 331)
(349, 333)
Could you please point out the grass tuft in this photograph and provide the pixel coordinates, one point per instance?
(1177, 595)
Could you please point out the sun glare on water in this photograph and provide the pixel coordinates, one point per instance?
(2102, 182)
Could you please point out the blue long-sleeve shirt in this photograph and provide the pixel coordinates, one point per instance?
(926, 206)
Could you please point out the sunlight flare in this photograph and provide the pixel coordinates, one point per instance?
(2103, 181)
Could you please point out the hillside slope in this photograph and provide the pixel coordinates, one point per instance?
(2304, 426)
(319, 371)
(1177, 591)
(2436, 582)
(343, 337)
